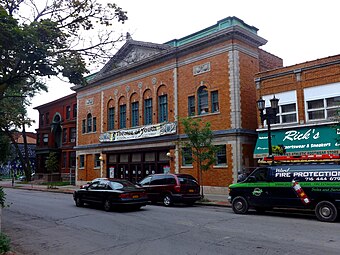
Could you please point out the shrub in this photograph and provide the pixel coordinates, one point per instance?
(4, 243)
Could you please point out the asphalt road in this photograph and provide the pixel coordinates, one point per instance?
(50, 223)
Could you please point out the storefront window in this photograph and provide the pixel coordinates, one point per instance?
(136, 157)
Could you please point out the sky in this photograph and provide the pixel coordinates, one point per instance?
(296, 30)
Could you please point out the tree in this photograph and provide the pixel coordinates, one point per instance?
(52, 163)
(50, 38)
(199, 140)
(40, 39)
(13, 118)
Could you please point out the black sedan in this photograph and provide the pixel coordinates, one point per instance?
(111, 193)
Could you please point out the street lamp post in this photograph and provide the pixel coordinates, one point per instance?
(270, 117)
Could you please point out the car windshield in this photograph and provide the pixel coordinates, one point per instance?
(121, 185)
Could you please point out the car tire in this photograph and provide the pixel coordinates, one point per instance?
(326, 211)
(79, 202)
(240, 205)
(167, 200)
(107, 205)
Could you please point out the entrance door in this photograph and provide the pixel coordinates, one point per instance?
(135, 173)
(123, 171)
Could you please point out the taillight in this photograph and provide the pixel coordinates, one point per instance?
(124, 195)
(177, 188)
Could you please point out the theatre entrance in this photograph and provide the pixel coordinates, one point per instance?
(134, 166)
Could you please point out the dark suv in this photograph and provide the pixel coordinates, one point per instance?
(171, 188)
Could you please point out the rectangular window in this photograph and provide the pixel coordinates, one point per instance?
(186, 156)
(221, 155)
(94, 120)
(42, 119)
(83, 126)
(89, 124)
(64, 159)
(72, 159)
(191, 106)
(111, 118)
(163, 108)
(96, 160)
(148, 111)
(82, 161)
(122, 116)
(134, 114)
(325, 108)
(64, 135)
(47, 118)
(73, 135)
(45, 139)
(214, 101)
(68, 112)
(75, 111)
(287, 114)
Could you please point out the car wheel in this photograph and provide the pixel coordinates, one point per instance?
(167, 200)
(107, 205)
(79, 202)
(240, 205)
(326, 211)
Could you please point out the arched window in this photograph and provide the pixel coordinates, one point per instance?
(89, 123)
(203, 106)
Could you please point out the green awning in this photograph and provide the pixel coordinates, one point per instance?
(299, 141)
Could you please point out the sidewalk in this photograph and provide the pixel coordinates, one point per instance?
(209, 199)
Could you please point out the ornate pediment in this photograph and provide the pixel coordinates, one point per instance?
(131, 53)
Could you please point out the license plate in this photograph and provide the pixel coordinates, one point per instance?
(135, 196)
(191, 190)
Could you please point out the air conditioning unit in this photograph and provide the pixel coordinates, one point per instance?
(73, 140)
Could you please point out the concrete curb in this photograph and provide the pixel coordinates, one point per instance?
(70, 191)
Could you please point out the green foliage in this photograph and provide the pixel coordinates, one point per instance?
(5, 148)
(52, 38)
(2, 197)
(200, 140)
(52, 163)
(4, 243)
(279, 149)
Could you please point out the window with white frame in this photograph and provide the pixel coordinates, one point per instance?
(322, 102)
(221, 155)
(288, 111)
(324, 108)
(81, 161)
(287, 114)
(186, 156)
(97, 160)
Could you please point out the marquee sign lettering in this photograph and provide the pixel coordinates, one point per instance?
(138, 133)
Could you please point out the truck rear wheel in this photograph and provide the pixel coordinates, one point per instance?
(326, 211)
(240, 205)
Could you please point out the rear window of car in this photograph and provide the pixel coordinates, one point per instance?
(121, 184)
(187, 180)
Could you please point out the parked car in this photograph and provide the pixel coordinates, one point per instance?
(94, 180)
(111, 193)
(22, 178)
(171, 188)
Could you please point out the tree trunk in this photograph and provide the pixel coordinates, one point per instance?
(27, 156)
